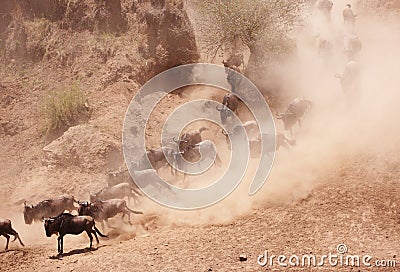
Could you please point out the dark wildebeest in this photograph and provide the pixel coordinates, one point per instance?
(280, 140)
(67, 223)
(294, 113)
(352, 46)
(207, 148)
(6, 230)
(253, 134)
(157, 159)
(48, 208)
(350, 78)
(234, 60)
(234, 77)
(190, 138)
(118, 191)
(187, 141)
(103, 210)
(149, 175)
(230, 104)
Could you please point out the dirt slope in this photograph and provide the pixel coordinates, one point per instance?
(357, 204)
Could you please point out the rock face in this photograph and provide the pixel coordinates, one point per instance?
(170, 39)
(84, 146)
(71, 14)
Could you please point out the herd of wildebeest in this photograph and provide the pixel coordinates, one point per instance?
(110, 201)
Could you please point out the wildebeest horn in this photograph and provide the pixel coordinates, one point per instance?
(220, 108)
(24, 203)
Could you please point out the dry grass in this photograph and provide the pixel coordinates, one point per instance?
(63, 109)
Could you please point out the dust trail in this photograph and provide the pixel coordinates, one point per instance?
(337, 129)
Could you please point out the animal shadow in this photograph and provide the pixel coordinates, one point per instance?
(74, 252)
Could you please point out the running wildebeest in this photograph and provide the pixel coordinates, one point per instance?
(280, 140)
(230, 103)
(234, 60)
(157, 159)
(103, 210)
(206, 148)
(67, 223)
(234, 77)
(294, 113)
(48, 208)
(118, 191)
(254, 138)
(6, 230)
(190, 138)
(352, 46)
(149, 175)
(350, 78)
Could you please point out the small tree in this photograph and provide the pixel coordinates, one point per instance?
(261, 24)
(264, 26)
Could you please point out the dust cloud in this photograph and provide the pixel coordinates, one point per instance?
(338, 128)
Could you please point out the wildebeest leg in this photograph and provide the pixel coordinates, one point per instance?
(91, 238)
(60, 244)
(108, 224)
(16, 236)
(8, 239)
(95, 235)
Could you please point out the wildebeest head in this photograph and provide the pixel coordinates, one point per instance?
(224, 113)
(183, 142)
(83, 206)
(288, 119)
(94, 197)
(28, 213)
(51, 226)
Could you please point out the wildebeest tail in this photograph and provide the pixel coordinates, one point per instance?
(99, 233)
(132, 211)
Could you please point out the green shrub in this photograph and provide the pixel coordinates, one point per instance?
(63, 109)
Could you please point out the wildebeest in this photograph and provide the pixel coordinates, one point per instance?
(206, 148)
(234, 60)
(190, 138)
(230, 103)
(48, 208)
(149, 175)
(157, 159)
(352, 46)
(280, 140)
(234, 77)
(67, 223)
(118, 191)
(254, 138)
(251, 128)
(294, 113)
(6, 230)
(350, 78)
(103, 210)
